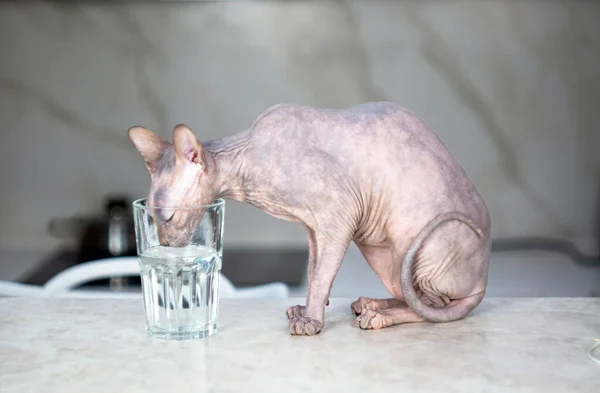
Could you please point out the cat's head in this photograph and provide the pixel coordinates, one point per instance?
(180, 181)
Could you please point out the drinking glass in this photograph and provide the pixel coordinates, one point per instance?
(180, 284)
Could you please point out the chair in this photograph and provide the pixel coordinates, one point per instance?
(64, 284)
(17, 289)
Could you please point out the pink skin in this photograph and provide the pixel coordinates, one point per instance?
(374, 174)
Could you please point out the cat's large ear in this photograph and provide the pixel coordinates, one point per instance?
(150, 145)
(187, 146)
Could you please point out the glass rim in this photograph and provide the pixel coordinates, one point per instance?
(140, 204)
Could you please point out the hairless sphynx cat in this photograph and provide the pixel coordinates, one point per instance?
(374, 174)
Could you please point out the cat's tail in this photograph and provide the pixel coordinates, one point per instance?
(456, 309)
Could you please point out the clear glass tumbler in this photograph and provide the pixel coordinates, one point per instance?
(180, 284)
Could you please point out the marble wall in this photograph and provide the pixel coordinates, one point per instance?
(512, 88)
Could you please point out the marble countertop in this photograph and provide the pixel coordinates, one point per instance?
(516, 345)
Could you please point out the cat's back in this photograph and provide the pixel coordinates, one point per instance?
(294, 122)
(371, 130)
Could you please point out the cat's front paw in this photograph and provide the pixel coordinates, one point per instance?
(305, 326)
(300, 323)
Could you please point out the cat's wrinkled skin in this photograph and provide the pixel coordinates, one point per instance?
(374, 174)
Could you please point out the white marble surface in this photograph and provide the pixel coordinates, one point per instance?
(506, 345)
(511, 87)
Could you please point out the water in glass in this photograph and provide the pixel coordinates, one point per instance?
(180, 290)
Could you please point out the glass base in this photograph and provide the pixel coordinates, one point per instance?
(181, 334)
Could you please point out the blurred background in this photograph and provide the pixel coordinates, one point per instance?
(512, 88)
